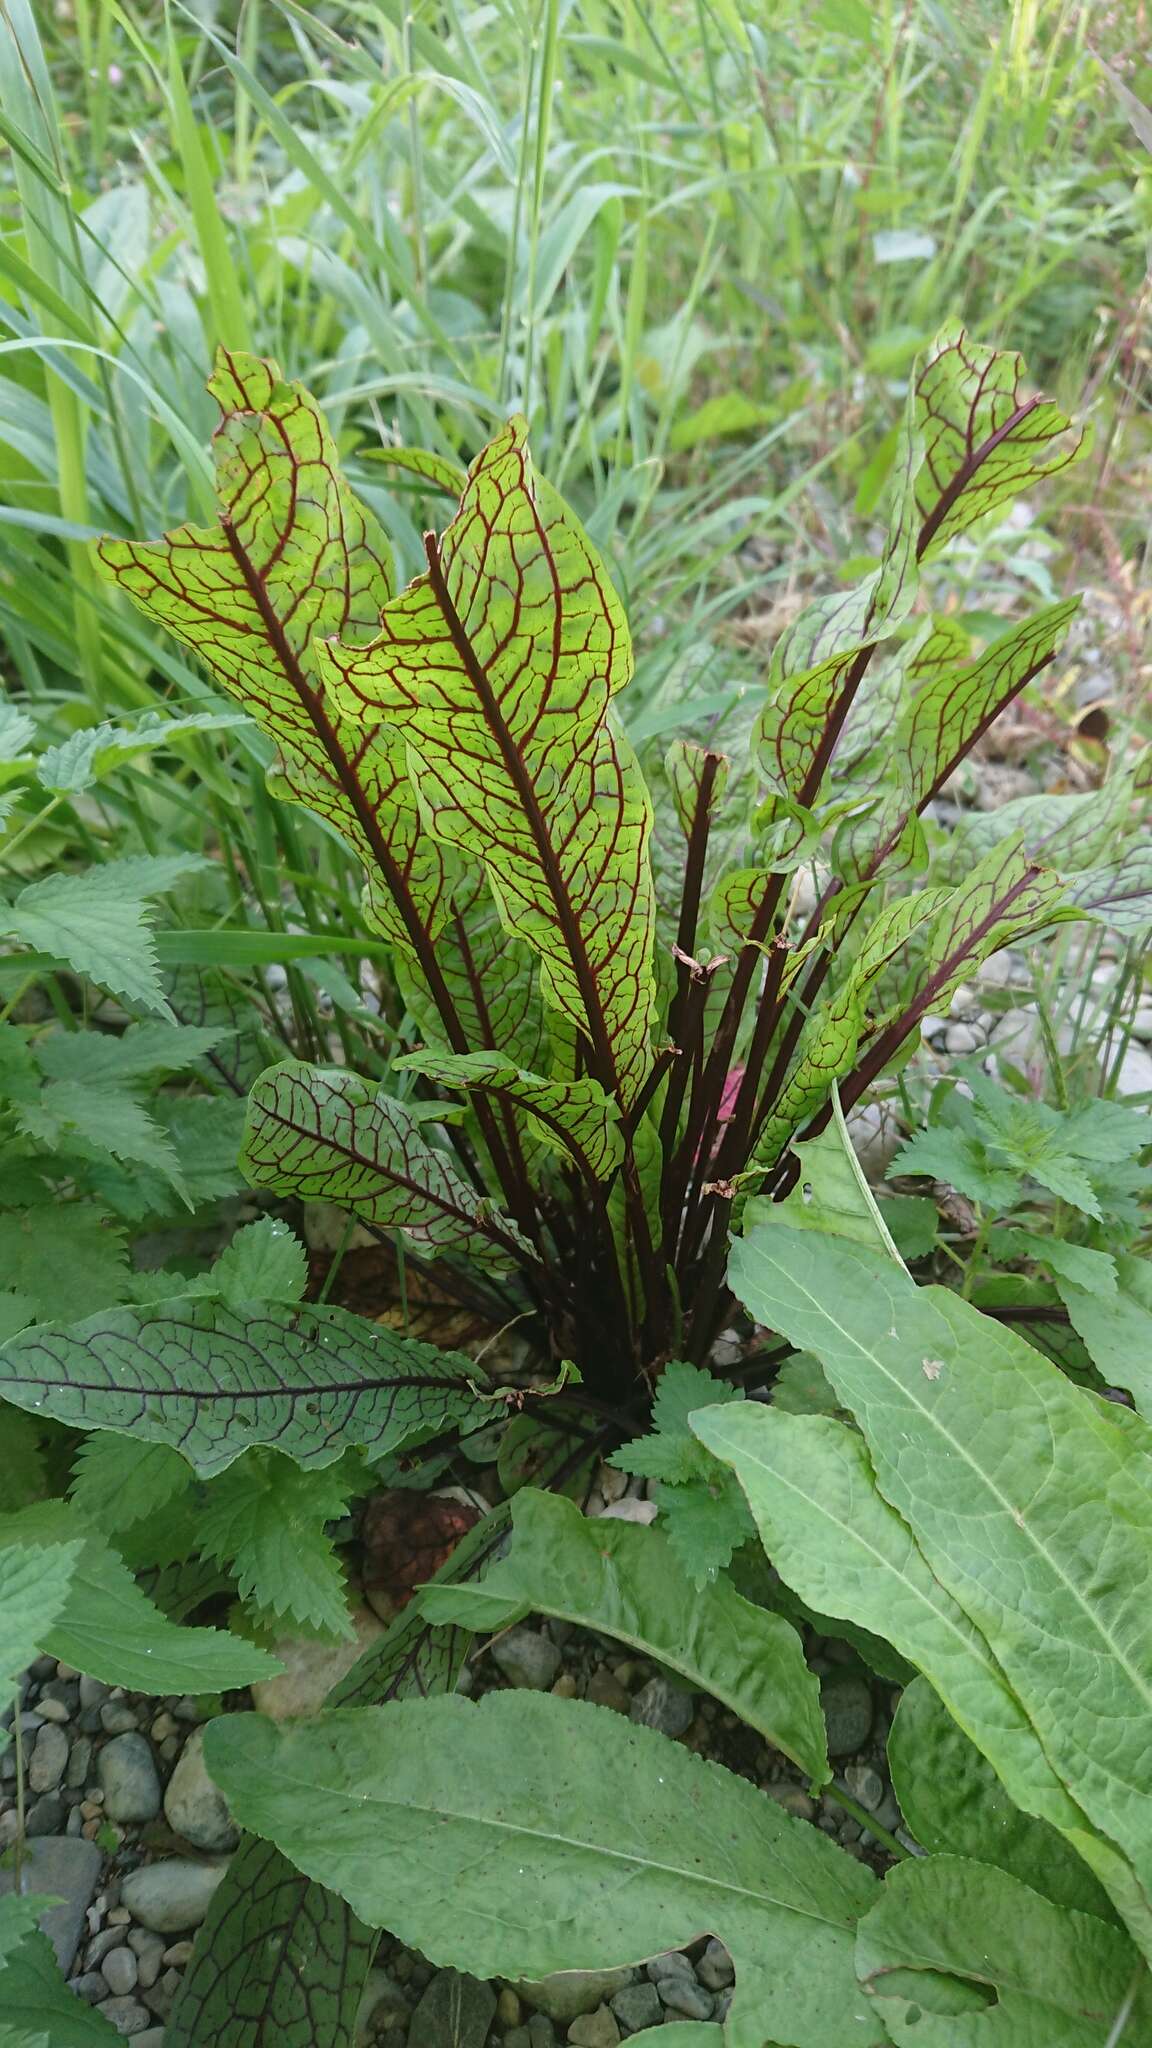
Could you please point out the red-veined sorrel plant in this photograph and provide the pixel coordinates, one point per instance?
(629, 1065)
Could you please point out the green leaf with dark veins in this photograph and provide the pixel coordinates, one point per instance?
(499, 666)
(325, 1134)
(573, 1117)
(294, 561)
(530, 1834)
(624, 1582)
(213, 1381)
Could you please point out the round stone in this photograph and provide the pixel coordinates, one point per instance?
(128, 1778)
(193, 1803)
(848, 1711)
(49, 1759)
(172, 1896)
(526, 1658)
(120, 1971)
(664, 1706)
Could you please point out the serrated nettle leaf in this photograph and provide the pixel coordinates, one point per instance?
(1093, 1271)
(109, 1629)
(954, 1804)
(99, 1121)
(98, 922)
(87, 756)
(531, 1834)
(1038, 1975)
(72, 1255)
(265, 1261)
(34, 1588)
(499, 666)
(18, 1916)
(1116, 1326)
(294, 560)
(625, 1582)
(838, 1544)
(264, 1519)
(212, 1381)
(1030, 1504)
(36, 1998)
(984, 442)
(98, 1059)
(279, 1951)
(325, 1134)
(118, 1481)
(572, 1117)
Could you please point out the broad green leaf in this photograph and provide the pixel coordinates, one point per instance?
(1119, 893)
(1031, 1505)
(34, 1996)
(265, 1519)
(109, 1628)
(281, 1961)
(1117, 1327)
(831, 1193)
(212, 1381)
(294, 561)
(1043, 1976)
(984, 441)
(98, 922)
(954, 1804)
(625, 1582)
(836, 1542)
(498, 666)
(529, 1834)
(574, 1117)
(325, 1134)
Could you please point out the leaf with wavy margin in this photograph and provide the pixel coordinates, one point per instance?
(573, 1117)
(294, 560)
(212, 1381)
(530, 1834)
(499, 666)
(326, 1134)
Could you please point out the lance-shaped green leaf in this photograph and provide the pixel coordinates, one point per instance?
(108, 1628)
(281, 1961)
(688, 768)
(573, 1117)
(212, 1381)
(1118, 893)
(499, 666)
(1116, 1326)
(325, 1134)
(1032, 1507)
(984, 442)
(834, 1539)
(294, 560)
(626, 1582)
(438, 470)
(958, 1954)
(954, 1804)
(529, 1834)
(1066, 832)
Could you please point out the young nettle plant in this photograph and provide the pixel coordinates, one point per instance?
(605, 1075)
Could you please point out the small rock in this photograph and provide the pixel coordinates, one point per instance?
(541, 2033)
(311, 1669)
(161, 1996)
(194, 1805)
(508, 2007)
(126, 2015)
(874, 1129)
(965, 999)
(865, 1784)
(45, 1816)
(638, 2006)
(50, 1709)
(662, 1705)
(595, 2029)
(171, 1896)
(848, 1711)
(120, 1970)
(90, 1985)
(1135, 1072)
(178, 1956)
(79, 1763)
(961, 1038)
(793, 1799)
(101, 1945)
(154, 2038)
(93, 1691)
(631, 1510)
(715, 1969)
(454, 2008)
(117, 1717)
(570, 1993)
(517, 2037)
(1141, 1024)
(149, 1952)
(526, 1658)
(128, 1778)
(684, 1994)
(605, 1690)
(672, 1964)
(49, 1759)
(566, 1687)
(164, 1726)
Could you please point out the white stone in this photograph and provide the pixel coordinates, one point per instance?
(311, 1669)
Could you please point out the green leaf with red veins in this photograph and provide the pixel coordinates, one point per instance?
(294, 560)
(684, 765)
(327, 1135)
(1004, 899)
(492, 980)
(1119, 894)
(574, 1117)
(499, 666)
(984, 442)
(949, 712)
(438, 470)
(1067, 832)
